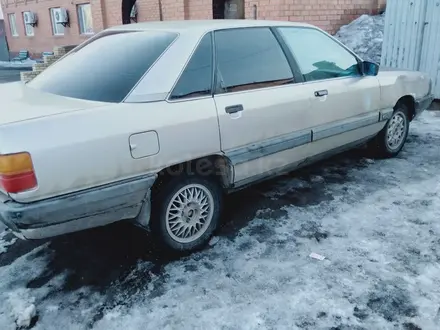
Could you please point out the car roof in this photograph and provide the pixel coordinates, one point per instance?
(200, 26)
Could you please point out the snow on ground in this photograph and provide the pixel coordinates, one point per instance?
(17, 64)
(379, 229)
(4, 242)
(364, 36)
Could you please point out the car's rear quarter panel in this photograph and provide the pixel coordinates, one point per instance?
(83, 149)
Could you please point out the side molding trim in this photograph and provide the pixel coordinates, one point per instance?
(296, 139)
(343, 126)
(269, 147)
(295, 166)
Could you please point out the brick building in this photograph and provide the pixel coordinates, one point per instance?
(89, 17)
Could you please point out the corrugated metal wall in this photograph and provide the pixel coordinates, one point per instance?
(430, 58)
(412, 37)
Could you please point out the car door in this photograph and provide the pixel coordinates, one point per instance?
(263, 109)
(344, 102)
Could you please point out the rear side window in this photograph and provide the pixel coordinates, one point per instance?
(107, 68)
(250, 58)
(196, 78)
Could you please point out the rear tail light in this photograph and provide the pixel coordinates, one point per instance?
(17, 172)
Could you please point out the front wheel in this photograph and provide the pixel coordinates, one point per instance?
(390, 141)
(186, 212)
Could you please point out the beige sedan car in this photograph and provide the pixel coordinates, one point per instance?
(155, 122)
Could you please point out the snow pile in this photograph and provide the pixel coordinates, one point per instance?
(4, 243)
(364, 36)
(17, 302)
(23, 309)
(17, 64)
(25, 318)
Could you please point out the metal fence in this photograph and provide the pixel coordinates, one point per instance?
(412, 37)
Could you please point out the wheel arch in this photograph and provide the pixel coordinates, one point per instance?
(410, 102)
(216, 166)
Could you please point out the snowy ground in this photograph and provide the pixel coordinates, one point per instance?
(364, 36)
(376, 222)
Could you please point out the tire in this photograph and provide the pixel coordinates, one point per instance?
(169, 214)
(391, 139)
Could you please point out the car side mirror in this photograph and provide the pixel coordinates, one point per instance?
(370, 68)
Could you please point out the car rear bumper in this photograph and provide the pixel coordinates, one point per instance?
(423, 104)
(77, 211)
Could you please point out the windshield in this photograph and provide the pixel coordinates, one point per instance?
(106, 69)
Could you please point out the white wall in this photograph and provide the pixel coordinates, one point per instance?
(1, 13)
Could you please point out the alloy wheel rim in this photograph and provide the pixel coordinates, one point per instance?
(396, 131)
(189, 213)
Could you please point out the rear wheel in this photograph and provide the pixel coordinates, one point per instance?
(390, 141)
(186, 212)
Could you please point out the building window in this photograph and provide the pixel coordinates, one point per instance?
(28, 29)
(13, 25)
(85, 19)
(57, 29)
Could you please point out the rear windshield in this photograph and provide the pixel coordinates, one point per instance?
(107, 68)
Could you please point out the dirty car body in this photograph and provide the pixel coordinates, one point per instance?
(92, 139)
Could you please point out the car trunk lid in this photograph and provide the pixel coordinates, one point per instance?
(20, 102)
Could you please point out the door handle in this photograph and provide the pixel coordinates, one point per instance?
(234, 108)
(322, 92)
